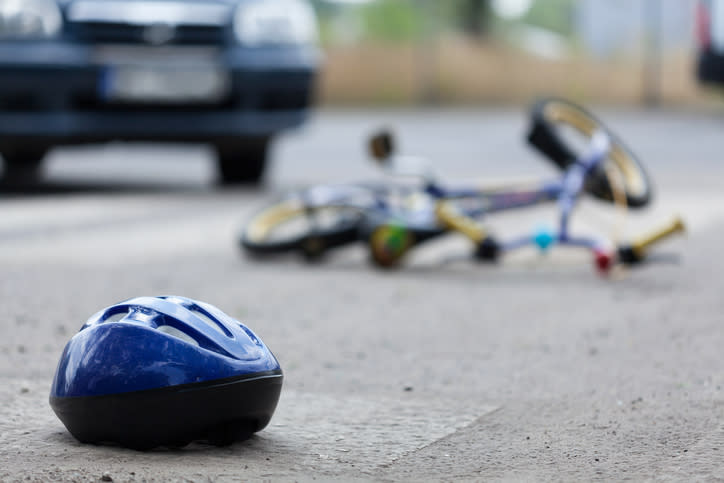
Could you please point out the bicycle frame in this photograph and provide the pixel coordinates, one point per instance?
(392, 217)
(565, 191)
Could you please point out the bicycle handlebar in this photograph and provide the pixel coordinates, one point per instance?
(636, 251)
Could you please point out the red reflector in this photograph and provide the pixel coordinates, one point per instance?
(604, 260)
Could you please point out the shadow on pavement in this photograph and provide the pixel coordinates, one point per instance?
(15, 189)
(45, 188)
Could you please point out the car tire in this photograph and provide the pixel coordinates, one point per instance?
(242, 161)
(23, 164)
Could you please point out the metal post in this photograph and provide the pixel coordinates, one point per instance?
(652, 53)
(427, 54)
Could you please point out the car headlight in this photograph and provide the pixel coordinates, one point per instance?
(29, 18)
(286, 22)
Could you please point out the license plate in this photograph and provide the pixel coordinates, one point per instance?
(164, 84)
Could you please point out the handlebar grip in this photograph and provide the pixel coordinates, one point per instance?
(636, 251)
(459, 222)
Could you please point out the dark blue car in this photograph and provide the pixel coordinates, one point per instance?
(710, 23)
(232, 73)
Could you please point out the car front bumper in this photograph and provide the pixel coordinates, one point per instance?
(55, 91)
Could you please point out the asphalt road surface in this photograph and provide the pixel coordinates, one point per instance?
(535, 368)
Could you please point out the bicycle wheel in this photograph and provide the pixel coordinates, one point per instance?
(290, 225)
(561, 129)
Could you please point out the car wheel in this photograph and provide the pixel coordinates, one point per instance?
(23, 164)
(242, 161)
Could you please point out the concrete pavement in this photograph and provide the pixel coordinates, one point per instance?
(444, 370)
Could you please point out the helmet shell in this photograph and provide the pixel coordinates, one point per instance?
(165, 370)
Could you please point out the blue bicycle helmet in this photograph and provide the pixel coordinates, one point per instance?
(165, 371)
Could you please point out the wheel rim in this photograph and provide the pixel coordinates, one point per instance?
(635, 184)
(261, 226)
(291, 220)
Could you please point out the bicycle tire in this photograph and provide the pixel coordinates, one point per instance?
(548, 115)
(257, 236)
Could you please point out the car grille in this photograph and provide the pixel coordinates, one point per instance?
(159, 22)
(120, 33)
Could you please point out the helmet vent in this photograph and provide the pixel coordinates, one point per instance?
(116, 317)
(209, 321)
(174, 332)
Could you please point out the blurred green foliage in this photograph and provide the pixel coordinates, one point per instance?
(554, 15)
(381, 20)
(392, 20)
(408, 20)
